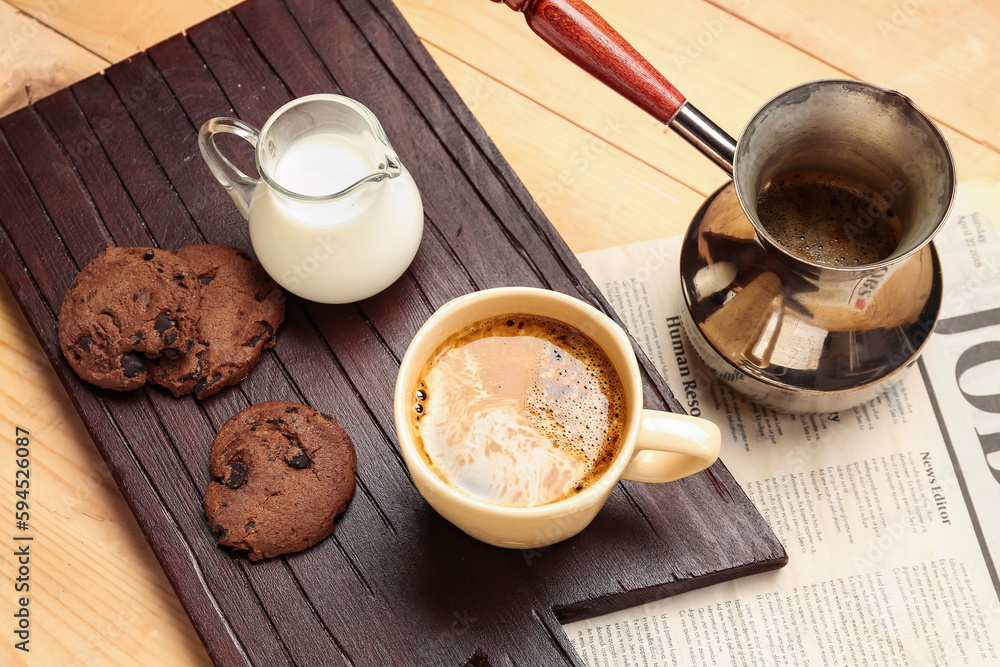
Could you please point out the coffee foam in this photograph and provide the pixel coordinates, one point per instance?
(519, 411)
(828, 219)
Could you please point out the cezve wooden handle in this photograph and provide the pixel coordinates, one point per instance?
(579, 33)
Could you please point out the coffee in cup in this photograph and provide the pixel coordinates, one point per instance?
(519, 410)
(632, 443)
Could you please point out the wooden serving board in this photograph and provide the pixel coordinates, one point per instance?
(115, 157)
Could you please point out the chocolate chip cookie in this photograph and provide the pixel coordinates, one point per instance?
(281, 473)
(240, 309)
(127, 306)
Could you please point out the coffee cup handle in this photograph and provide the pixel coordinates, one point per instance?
(671, 446)
(239, 186)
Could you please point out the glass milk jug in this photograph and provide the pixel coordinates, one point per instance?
(335, 217)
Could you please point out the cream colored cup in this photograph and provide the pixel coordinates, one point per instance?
(656, 446)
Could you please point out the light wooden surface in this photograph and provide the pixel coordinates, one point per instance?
(601, 170)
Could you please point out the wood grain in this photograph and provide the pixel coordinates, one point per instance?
(948, 50)
(114, 30)
(114, 157)
(36, 60)
(603, 172)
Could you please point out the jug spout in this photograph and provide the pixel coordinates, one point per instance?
(388, 167)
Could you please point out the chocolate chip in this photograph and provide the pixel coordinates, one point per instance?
(237, 475)
(170, 337)
(148, 255)
(171, 352)
(267, 328)
(135, 297)
(327, 417)
(136, 339)
(252, 342)
(85, 343)
(206, 383)
(291, 409)
(205, 281)
(275, 421)
(249, 526)
(298, 461)
(133, 364)
(190, 345)
(197, 370)
(163, 323)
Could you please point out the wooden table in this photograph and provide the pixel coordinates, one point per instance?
(601, 170)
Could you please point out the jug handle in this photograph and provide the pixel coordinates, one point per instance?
(239, 186)
(582, 35)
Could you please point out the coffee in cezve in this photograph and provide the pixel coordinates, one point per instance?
(828, 218)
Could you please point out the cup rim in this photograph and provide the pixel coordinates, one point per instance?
(630, 381)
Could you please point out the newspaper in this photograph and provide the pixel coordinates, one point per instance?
(889, 512)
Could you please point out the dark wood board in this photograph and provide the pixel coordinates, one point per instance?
(115, 157)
